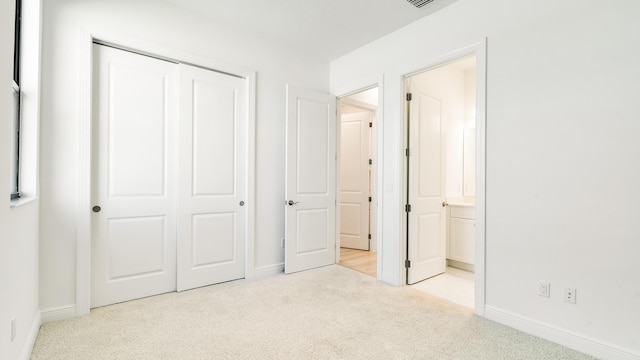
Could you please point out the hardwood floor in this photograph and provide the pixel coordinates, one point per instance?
(359, 260)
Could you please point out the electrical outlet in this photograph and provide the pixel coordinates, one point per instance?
(570, 295)
(13, 329)
(544, 289)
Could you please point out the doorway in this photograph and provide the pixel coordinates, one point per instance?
(357, 181)
(440, 179)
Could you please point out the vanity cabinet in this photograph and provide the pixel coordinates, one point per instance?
(462, 233)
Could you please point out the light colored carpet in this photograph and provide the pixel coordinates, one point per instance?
(327, 313)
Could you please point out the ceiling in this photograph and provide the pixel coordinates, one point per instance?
(324, 28)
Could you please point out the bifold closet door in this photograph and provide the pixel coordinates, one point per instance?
(213, 184)
(134, 178)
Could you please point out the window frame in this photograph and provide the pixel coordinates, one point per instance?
(17, 95)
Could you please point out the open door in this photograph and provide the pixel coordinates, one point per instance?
(426, 214)
(355, 188)
(310, 180)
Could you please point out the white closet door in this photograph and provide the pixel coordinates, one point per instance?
(354, 180)
(134, 180)
(213, 163)
(427, 222)
(310, 217)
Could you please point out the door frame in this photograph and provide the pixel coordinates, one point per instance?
(84, 192)
(377, 138)
(478, 49)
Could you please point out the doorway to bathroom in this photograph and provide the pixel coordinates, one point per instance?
(357, 181)
(440, 166)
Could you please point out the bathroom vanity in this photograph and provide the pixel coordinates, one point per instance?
(461, 225)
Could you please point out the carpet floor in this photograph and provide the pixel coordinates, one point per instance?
(326, 313)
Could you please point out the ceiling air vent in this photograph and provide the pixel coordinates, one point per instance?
(419, 3)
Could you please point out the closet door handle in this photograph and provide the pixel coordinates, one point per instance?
(96, 209)
(291, 202)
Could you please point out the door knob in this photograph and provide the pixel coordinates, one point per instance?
(291, 202)
(444, 203)
(96, 209)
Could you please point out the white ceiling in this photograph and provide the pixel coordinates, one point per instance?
(324, 28)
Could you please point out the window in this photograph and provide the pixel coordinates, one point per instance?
(15, 178)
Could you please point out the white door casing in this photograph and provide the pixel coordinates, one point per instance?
(310, 180)
(212, 208)
(355, 153)
(427, 222)
(134, 177)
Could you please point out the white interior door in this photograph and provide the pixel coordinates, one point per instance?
(427, 223)
(354, 180)
(134, 180)
(310, 180)
(213, 171)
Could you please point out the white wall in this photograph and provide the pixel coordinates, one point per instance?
(18, 226)
(562, 158)
(154, 25)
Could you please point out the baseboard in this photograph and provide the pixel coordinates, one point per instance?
(563, 337)
(58, 313)
(270, 270)
(31, 337)
(460, 265)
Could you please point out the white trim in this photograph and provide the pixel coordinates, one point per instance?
(21, 201)
(563, 337)
(83, 216)
(478, 49)
(86, 39)
(31, 338)
(58, 313)
(358, 86)
(269, 270)
(249, 272)
(338, 186)
(481, 178)
(30, 80)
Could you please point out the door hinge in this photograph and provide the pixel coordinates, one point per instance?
(369, 236)
(370, 124)
(407, 152)
(409, 97)
(407, 208)
(370, 162)
(407, 264)
(369, 198)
